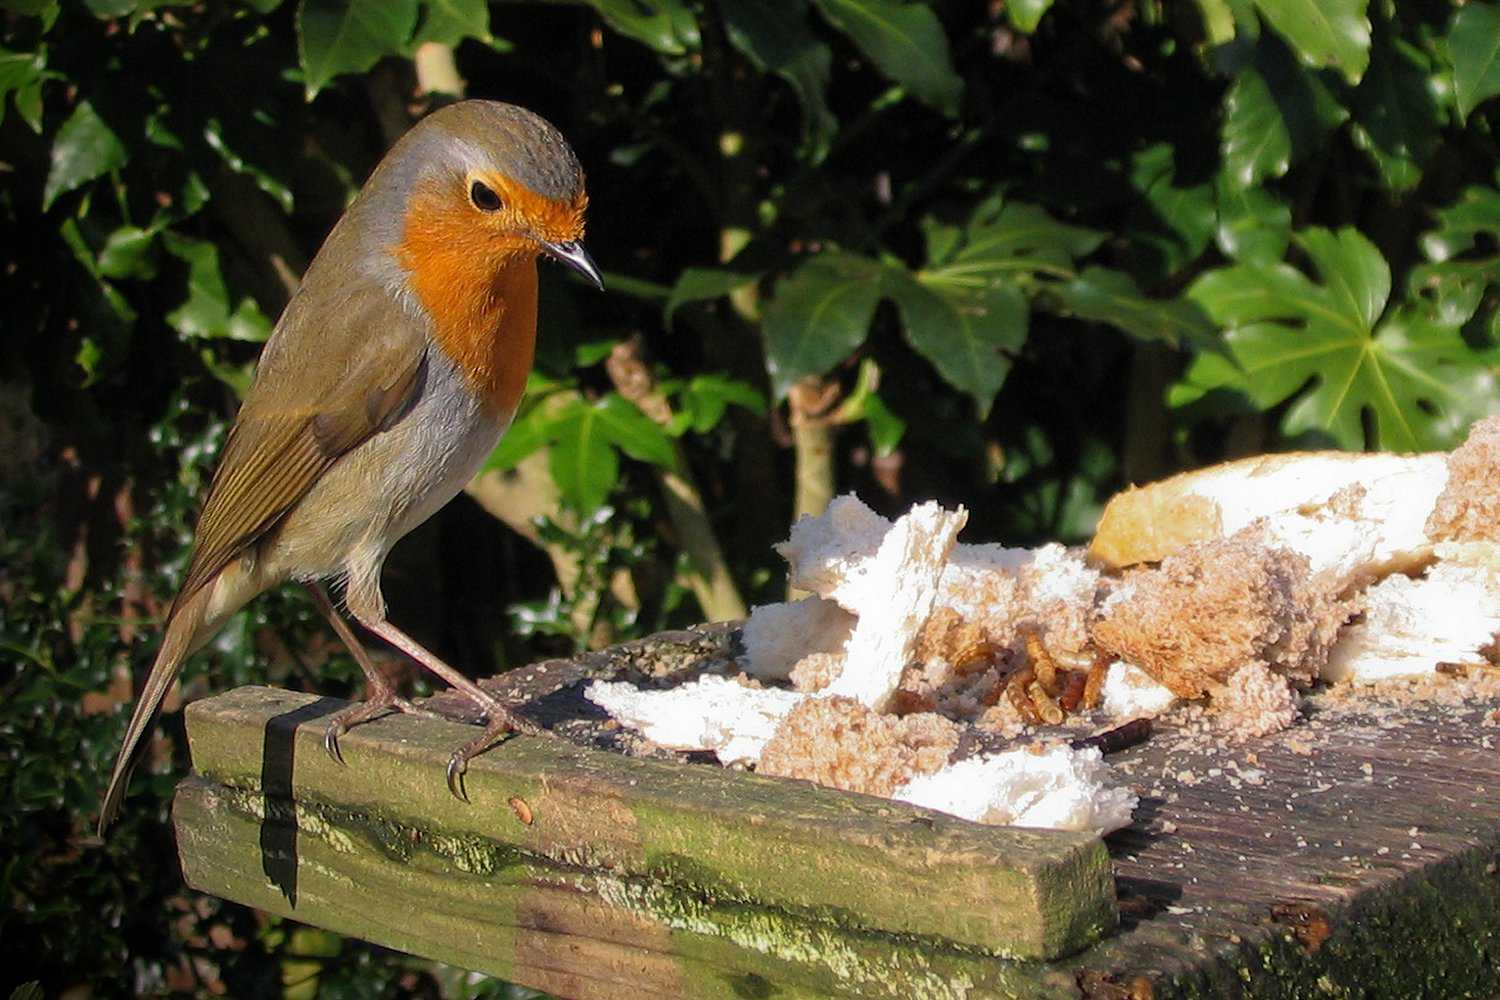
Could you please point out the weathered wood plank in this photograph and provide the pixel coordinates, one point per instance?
(574, 933)
(828, 858)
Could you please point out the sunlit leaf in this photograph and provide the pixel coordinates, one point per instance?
(703, 401)
(448, 22)
(1474, 49)
(1025, 15)
(698, 284)
(1275, 113)
(85, 148)
(906, 41)
(584, 465)
(128, 252)
(1333, 33)
(349, 36)
(634, 433)
(1334, 349)
(819, 315)
(1253, 225)
(667, 26)
(207, 312)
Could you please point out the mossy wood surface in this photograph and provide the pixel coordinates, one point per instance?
(855, 862)
(1353, 856)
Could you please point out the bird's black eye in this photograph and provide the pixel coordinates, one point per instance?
(484, 199)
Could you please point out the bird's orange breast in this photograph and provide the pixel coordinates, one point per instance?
(481, 293)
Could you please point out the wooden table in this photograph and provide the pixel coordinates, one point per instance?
(1355, 855)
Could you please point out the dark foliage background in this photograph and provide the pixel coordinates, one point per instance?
(1012, 255)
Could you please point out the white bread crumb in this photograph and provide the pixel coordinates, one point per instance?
(1056, 789)
(709, 713)
(1131, 693)
(776, 636)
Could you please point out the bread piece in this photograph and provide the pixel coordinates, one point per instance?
(710, 713)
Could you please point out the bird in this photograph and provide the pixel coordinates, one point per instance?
(388, 379)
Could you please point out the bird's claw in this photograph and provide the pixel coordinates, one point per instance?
(331, 742)
(457, 765)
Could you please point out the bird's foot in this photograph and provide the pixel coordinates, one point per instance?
(381, 700)
(502, 720)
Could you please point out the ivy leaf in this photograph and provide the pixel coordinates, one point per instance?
(101, 312)
(128, 253)
(1327, 345)
(819, 315)
(1474, 49)
(634, 433)
(967, 332)
(1395, 115)
(666, 26)
(699, 284)
(1102, 295)
(349, 36)
(1253, 224)
(1275, 113)
(213, 136)
(85, 148)
(584, 465)
(774, 35)
(1332, 33)
(21, 74)
(448, 22)
(1025, 15)
(1170, 225)
(207, 312)
(906, 41)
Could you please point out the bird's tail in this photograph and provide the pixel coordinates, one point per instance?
(183, 636)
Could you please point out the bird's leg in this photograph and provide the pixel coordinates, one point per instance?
(380, 696)
(501, 719)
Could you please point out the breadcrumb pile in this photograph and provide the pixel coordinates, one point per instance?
(1235, 587)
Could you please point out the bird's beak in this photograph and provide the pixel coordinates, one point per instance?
(575, 256)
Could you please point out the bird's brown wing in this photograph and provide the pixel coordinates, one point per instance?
(332, 375)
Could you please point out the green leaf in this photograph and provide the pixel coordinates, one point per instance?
(206, 312)
(104, 316)
(666, 26)
(1170, 226)
(47, 10)
(1464, 261)
(448, 22)
(775, 36)
(349, 36)
(1105, 296)
(1474, 49)
(21, 74)
(967, 332)
(1327, 345)
(886, 428)
(699, 284)
(129, 253)
(703, 401)
(85, 148)
(1460, 225)
(1254, 226)
(530, 431)
(584, 465)
(1016, 238)
(906, 41)
(1025, 15)
(1218, 21)
(819, 316)
(1275, 114)
(1332, 33)
(634, 433)
(1395, 114)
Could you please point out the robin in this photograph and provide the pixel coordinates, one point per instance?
(389, 378)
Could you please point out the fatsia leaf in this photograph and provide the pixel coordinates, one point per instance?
(906, 41)
(1395, 115)
(1106, 296)
(1171, 224)
(1275, 113)
(699, 284)
(634, 433)
(584, 465)
(819, 315)
(85, 148)
(1461, 249)
(667, 26)
(1335, 350)
(1018, 237)
(1474, 49)
(1332, 33)
(775, 36)
(967, 332)
(349, 36)
(448, 22)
